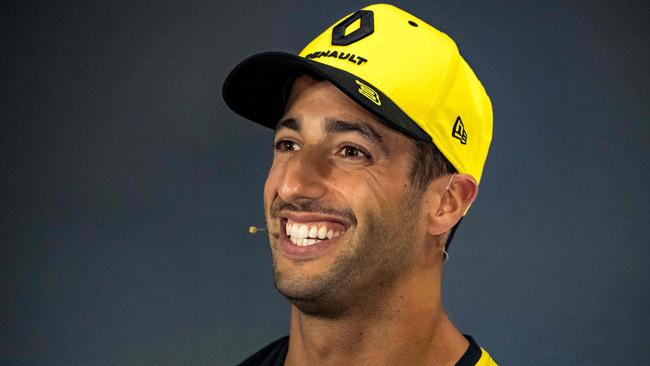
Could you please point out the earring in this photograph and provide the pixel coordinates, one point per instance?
(445, 255)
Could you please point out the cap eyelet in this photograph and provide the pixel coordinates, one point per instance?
(413, 23)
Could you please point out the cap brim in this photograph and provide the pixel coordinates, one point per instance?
(258, 87)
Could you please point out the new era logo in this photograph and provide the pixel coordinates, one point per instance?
(459, 131)
(368, 92)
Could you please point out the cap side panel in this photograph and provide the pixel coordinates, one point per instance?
(467, 101)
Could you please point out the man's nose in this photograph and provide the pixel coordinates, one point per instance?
(303, 177)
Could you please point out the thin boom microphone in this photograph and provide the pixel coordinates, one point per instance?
(254, 229)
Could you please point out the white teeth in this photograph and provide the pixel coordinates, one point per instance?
(322, 232)
(313, 231)
(302, 233)
(301, 242)
(294, 230)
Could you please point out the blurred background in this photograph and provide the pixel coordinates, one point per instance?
(127, 186)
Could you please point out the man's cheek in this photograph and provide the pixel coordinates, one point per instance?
(270, 189)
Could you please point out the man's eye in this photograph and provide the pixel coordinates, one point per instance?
(354, 152)
(286, 145)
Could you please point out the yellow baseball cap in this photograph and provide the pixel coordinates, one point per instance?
(395, 65)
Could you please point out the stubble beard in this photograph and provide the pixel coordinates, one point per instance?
(367, 268)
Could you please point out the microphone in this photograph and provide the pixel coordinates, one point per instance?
(254, 229)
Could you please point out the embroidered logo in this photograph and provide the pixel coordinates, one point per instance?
(459, 131)
(342, 56)
(363, 24)
(368, 92)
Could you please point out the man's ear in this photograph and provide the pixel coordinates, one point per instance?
(450, 197)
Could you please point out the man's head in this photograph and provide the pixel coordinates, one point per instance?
(338, 171)
(371, 119)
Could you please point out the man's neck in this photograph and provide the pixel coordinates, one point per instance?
(408, 327)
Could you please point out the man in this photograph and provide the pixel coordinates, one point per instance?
(381, 133)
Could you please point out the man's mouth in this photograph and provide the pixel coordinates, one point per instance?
(310, 233)
(307, 235)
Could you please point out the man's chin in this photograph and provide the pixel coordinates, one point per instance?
(297, 288)
(315, 296)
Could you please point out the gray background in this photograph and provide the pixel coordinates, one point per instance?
(127, 186)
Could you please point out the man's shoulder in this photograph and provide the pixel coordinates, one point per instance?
(271, 355)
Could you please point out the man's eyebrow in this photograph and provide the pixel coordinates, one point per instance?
(363, 129)
(289, 123)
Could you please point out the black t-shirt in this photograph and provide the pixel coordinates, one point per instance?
(275, 353)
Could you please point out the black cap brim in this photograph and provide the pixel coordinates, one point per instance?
(258, 87)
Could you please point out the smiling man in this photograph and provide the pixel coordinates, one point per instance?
(381, 134)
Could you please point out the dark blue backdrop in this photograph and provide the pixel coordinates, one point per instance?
(127, 186)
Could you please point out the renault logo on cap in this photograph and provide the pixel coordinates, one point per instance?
(368, 92)
(342, 37)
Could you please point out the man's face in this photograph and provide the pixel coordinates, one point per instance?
(341, 209)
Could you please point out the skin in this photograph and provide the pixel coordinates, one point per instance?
(372, 295)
